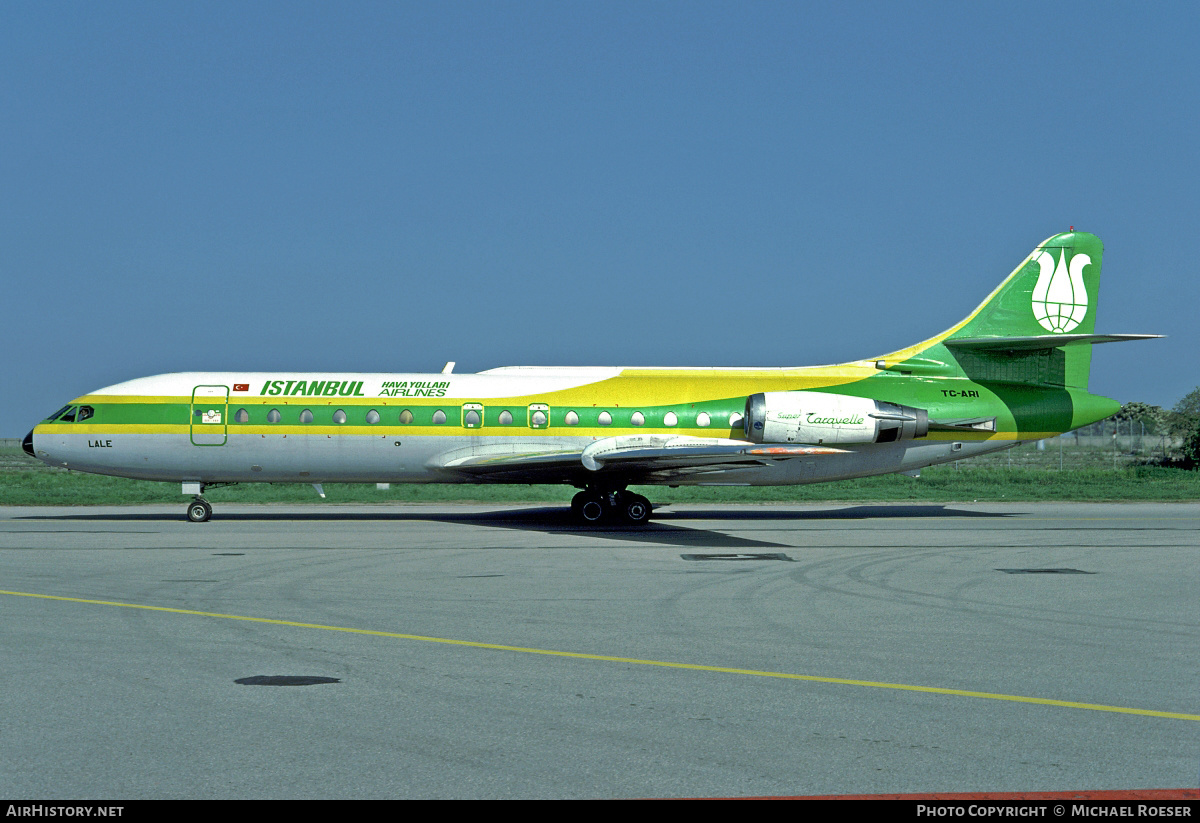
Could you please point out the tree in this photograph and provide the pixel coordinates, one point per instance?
(1152, 417)
(1185, 417)
(1191, 449)
(1190, 404)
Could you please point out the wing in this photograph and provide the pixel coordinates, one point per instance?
(631, 456)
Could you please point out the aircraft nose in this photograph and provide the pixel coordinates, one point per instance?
(27, 444)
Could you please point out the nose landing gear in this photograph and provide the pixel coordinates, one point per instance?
(594, 506)
(199, 510)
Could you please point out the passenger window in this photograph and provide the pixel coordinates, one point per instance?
(242, 416)
(439, 417)
(472, 415)
(306, 416)
(638, 419)
(605, 419)
(669, 419)
(372, 417)
(572, 419)
(702, 419)
(506, 418)
(339, 417)
(406, 417)
(273, 416)
(539, 415)
(84, 413)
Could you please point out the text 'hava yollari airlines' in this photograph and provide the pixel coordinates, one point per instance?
(1015, 370)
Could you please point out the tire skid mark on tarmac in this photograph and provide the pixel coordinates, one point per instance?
(879, 590)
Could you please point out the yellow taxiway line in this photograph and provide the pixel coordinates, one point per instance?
(1069, 704)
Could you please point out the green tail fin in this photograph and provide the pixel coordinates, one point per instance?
(1052, 292)
(1035, 328)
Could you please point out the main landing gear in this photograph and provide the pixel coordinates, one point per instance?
(595, 506)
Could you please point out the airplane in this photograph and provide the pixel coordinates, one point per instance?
(1014, 370)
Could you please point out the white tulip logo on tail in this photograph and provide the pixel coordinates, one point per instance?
(1059, 299)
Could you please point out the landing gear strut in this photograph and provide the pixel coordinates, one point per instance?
(594, 506)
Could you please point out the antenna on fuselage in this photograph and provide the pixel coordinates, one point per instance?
(448, 368)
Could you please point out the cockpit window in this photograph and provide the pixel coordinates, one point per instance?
(84, 413)
(57, 413)
(69, 416)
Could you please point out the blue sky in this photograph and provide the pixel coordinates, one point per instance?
(388, 186)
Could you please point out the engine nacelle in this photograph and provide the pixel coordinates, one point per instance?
(820, 417)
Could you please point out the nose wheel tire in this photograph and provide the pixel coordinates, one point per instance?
(198, 511)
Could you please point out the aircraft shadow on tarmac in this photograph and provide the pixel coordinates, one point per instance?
(558, 520)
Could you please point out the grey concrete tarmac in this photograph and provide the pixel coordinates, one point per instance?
(123, 642)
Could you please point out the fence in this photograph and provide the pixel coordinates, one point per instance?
(1106, 445)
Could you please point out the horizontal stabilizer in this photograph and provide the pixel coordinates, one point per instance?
(1041, 341)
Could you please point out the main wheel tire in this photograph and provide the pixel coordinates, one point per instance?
(198, 511)
(591, 509)
(635, 509)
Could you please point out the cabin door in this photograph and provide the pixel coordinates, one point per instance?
(210, 415)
